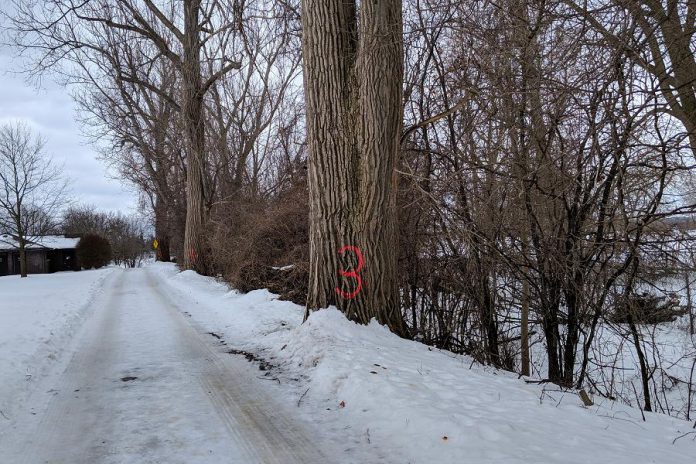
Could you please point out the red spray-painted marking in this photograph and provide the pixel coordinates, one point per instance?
(352, 273)
(193, 256)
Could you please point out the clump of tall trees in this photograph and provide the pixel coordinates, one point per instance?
(501, 179)
(547, 197)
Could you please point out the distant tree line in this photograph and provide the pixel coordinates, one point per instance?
(128, 241)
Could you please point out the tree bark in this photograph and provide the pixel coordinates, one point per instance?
(644, 371)
(689, 305)
(192, 112)
(162, 230)
(353, 88)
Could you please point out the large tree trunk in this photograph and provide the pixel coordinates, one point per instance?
(192, 112)
(353, 88)
(162, 230)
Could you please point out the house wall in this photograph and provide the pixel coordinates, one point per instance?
(36, 262)
(13, 262)
(4, 263)
(39, 261)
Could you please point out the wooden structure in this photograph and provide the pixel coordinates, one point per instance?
(45, 254)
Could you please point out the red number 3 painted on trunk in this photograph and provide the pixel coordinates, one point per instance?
(353, 273)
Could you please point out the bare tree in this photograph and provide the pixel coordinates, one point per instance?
(137, 129)
(32, 188)
(74, 32)
(539, 144)
(659, 36)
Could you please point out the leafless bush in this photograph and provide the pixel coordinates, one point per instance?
(263, 243)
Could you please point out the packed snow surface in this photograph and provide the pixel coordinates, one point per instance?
(385, 399)
(141, 383)
(38, 315)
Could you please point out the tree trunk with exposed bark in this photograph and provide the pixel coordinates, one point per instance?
(192, 112)
(353, 87)
(162, 230)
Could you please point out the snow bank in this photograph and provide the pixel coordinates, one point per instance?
(38, 317)
(391, 400)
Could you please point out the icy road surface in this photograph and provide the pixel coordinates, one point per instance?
(145, 385)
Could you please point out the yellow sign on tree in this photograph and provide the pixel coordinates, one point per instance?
(155, 244)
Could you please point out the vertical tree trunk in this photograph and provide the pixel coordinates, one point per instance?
(353, 89)
(22, 257)
(689, 305)
(644, 371)
(524, 316)
(162, 229)
(192, 112)
(572, 328)
(550, 305)
(488, 312)
(555, 373)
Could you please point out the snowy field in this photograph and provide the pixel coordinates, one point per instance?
(38, 316)
(388, 400)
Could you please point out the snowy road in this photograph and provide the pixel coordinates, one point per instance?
(145, 385)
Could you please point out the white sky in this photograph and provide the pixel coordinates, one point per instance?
(51, 112)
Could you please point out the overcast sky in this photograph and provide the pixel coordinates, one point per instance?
(50, 111)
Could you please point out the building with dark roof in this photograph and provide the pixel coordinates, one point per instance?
(45, 254)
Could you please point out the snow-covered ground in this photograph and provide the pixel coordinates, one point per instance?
(38, 316)
(614, 367)
(385, 399)
(370, 396)
(140, 384)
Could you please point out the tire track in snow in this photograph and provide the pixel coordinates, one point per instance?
(184, 402)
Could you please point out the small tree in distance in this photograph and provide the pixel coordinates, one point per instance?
(32, 188)
(93, 251)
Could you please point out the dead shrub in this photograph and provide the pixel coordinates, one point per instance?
(263, 243)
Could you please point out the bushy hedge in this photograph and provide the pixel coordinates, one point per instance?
(93, 251)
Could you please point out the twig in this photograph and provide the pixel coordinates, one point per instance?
(3, 415)
(621, 419)
(300, 400)
(269, 378)
(682, 436)
(539, 382)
